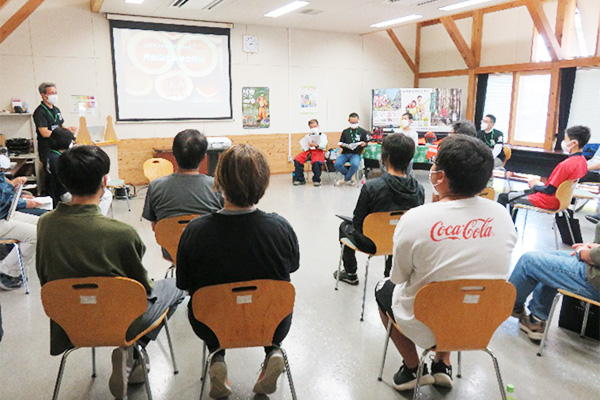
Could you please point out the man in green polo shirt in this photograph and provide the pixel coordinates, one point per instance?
(493, 138)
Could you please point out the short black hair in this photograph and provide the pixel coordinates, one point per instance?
(464, 127)
(580, 133)
(61, 139)
(467, 163)
(189, 148)
(409, 115)
(353, 115)
(81, 169)
(398, 150)
(493, 118)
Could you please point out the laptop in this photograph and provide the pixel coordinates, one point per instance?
(13, 206)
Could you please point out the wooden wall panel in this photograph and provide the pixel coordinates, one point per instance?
(133, 152)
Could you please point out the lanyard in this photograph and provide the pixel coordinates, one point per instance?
(56, 152)
(354, 132)
(55, 116)
(491, 142)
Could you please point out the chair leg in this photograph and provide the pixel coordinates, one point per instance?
(206, 366)
(94, 374)
(61, 370)
(142, 357)
(337, 281)
(585, 320)
(555, 228)
(524, 225)
(568, 219)
(362, 313)
(22, 268)
(385, 347)
(498, 375)
(545, 336)
(127, 198)
(420, 374)
(459, 365)
(289, 373)
(166, 323)
(203, 359)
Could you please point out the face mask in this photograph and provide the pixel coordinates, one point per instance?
(484, 126)
(405, 123)
(314, 131)
(567, 147)
(353, 126)
(433, 185)
(52, 99)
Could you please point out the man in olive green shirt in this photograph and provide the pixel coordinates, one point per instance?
(76, 241)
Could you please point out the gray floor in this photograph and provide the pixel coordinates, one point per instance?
(332, 354)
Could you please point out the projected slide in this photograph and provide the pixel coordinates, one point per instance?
(166, 72)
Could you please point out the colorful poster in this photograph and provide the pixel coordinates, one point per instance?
(387, 110)
(416, 102)
(255, 107)
(308, 100)
(82, 104)
(445, 106)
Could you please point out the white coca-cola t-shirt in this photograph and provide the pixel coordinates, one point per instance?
(461, 239)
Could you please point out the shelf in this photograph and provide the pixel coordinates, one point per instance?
(15, 114)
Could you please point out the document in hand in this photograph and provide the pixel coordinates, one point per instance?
(307, 140)
(353, 146)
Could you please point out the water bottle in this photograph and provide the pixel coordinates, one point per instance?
(510, 389)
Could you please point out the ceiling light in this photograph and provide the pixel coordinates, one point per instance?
(134, 1)
(463, 4)
(294, 5)
(397, 21)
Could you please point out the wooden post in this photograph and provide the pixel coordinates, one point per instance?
(418, 55)
(470, 115)
(551, 123)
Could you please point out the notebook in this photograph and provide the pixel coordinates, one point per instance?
(13, 206)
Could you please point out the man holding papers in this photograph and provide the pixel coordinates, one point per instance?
(352, 143)
(313, 145)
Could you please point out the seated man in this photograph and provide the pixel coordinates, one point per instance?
(238, 243)
(352, 142)
(77, 241)
(573, 168)
(395, 190)
(437, 242)
(542, 273)
(186, 191)
(493, 138)
(313, 145)
(463, 127)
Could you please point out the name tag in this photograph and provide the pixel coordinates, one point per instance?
(471, 299)
(394, 221)
(244, 299)
(87, 299)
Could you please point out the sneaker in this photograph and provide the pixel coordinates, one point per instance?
(219, 384)
(351, 279)
(8, 282)
(271, 369)
(339, 182)
(122, 360)
(594, 219)
(533, 326)
(317, 183)
(518, 312)
(442, 374)
(137, 372)
(298, 183)
(406, 379)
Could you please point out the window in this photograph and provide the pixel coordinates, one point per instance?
(498, 100)
(531, 109)
(584, 105)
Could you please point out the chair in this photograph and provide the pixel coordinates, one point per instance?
(96, 312)
(244, 314)
(507, 155)
(16, 243)
(564, 194)
(157, 167)
(488, 193)
(168, 231)
(477, 307)
(561, 292)
(115, 184)
(379, 227)
(308, 169)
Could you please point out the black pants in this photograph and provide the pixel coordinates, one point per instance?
(511, 198)
(591, 177)
(363, 243)
(299, 171)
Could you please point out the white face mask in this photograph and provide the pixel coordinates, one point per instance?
(566, 147)
(433, 185)
(405, 123)
(484, 126)
(354, 126)
(52, 99)
(314, 131)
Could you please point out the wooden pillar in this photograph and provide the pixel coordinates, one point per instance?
(552, 121)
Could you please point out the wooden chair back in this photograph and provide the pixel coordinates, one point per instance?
(507, 154)
(168, 231)
(379, 227)
(95, 311)
(244, 314)
(488, 193)
(464, 314)
(564, 194)
(157, 167)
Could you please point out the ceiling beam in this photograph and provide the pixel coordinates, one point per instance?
(476, 34)
(544, 28)
(565, 20)
(96, 5)
(459, 41)
(402, 51)
(18, 18)
(3, 3)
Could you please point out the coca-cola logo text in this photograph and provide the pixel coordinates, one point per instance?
(474, 229)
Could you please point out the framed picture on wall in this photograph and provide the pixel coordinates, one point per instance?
(255, 107)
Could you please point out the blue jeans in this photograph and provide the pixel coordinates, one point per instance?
(342, 159)
(543, 273)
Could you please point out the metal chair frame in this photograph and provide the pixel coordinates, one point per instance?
(16, 243)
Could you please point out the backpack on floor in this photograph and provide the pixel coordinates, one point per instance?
(563, 223)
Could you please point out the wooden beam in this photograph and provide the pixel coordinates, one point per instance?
(476, 34)
(472, 93)
(3, 3)
(543, 26)
(402, 51)
(443, 74)
(20, 16)
(96, 5)
(459, 41)
(551, 123)
(418, 55)
(565, 18)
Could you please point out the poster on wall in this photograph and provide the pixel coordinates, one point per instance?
(255, 107)
(82, 104)
(432, 109)
(308, 100)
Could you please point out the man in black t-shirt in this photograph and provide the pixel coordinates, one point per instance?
(493, 138)
(352, 143)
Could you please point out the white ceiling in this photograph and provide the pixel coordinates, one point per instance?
(352, 16)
